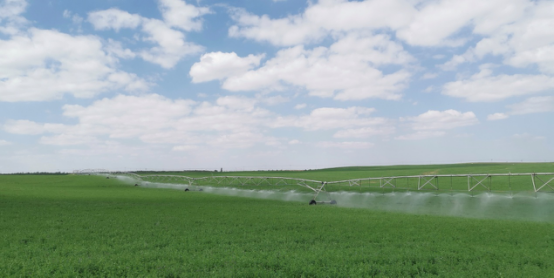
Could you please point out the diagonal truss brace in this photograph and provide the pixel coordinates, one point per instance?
(318, 190)
(432, 181)
(535, 176)
(479, 182)
(386, 181)
(354, 182)
(281, 181)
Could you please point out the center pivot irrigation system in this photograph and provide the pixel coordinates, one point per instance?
(471, 183)
(316, 186)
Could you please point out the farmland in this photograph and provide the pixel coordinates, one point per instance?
(343, 173)
(93, 226)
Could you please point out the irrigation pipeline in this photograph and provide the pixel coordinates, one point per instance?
(504, 182)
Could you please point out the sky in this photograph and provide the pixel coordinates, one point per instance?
(273, 84)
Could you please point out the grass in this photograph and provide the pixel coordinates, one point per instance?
(88, 226)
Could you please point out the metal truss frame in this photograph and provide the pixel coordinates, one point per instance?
(354, 182)
(471, 186)
(428, 180)
(540, 181)
(547, 183)
(387, 181)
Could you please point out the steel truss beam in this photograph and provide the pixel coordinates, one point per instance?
(535, 176)
(354, 182)
(428, 180)
(471, 186)
(280, 180)
(541, 181)
(387, 181)
(318, 190)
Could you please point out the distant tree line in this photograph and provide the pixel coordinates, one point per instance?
(169, 171)
(38, 173)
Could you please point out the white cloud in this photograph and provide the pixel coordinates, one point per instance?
(230, 122)
(344, 145)
(422, 23)
(376, 49)
(437, 21)
(220, 65)
(346, 70)
(485, 87)
(70, 139)
(271, 100)
(128, 116)
(364, 132)
(184, 148)
(5, 143)
(529, 40)
(497, 116)
(185, 125)
(331, 118)
(429, 75)
(435, 123)
(314, 24)
(114, 19)
(300, 106)
(46, 64)
(12, 8)
(420, 135)
(533, 105)
(23, 127)
(171, 45)
(468, 56)
(116, 49)
(294, 142)
(240, 140)
(76, 19)
(11, 20)
(32, 128)
(177, 13)
(282, 32)
(442, 120)
(527, 137)
(328, 72)
(520, 31)
(237, 103)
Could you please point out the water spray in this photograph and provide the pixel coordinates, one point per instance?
(317, 192)
(479, 200)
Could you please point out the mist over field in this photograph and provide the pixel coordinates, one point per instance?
(509, 197)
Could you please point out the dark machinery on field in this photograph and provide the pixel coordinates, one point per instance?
(319, 190)
(191, 189)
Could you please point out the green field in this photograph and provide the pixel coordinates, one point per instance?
(90, 226)
(344, 173)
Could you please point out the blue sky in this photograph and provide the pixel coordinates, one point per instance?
(172, 84)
